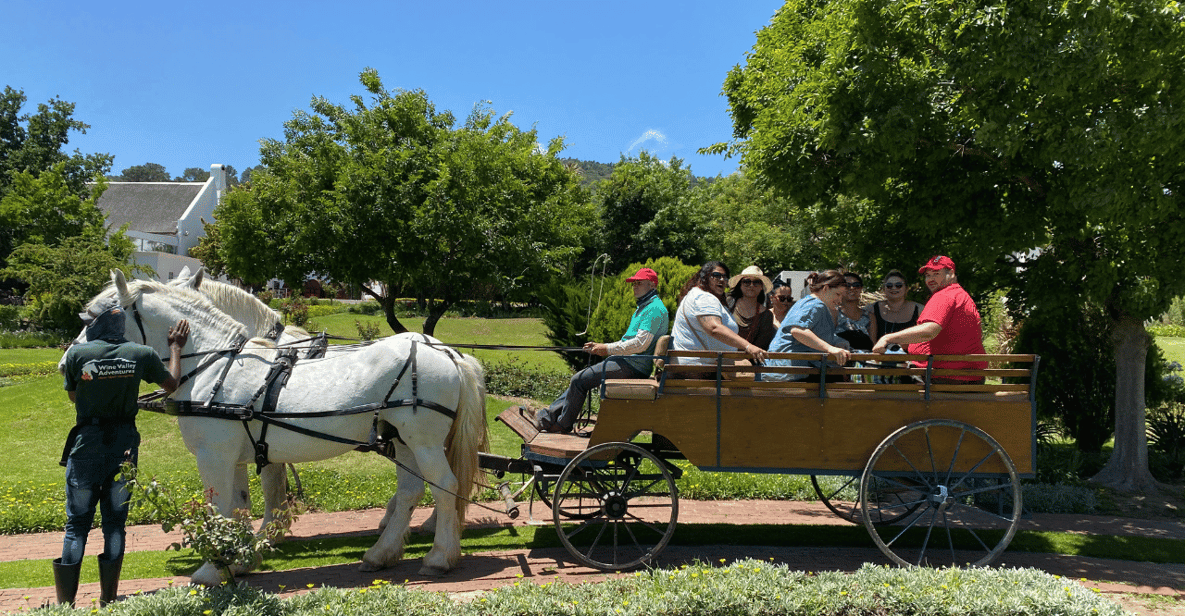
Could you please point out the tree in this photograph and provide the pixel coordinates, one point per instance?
(232, 176)
(32, 143)
(207, 249)
(148, 172)
(646, 211)
(750, 225)
(194, 174)
(392, 193)
(44, 209)
(63, 277)
(1038, 143)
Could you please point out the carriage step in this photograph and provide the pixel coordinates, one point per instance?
(520, 421)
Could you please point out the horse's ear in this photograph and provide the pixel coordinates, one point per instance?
(184, 273)
(198, 277)
(121, 286)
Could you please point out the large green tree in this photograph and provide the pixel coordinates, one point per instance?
(44, 191)
(751, 225)
(392, 192)
(647, 211)
(1039, 143)
(34, 142)
(148, 172)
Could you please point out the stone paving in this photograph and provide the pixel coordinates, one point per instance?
(494, 569)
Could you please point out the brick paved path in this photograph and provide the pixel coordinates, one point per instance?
(494, 569)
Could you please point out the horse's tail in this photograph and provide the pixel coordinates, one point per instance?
(470, 433)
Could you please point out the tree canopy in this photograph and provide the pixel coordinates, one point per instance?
(392, 192)
(148, 172)
(45, 198)
(646, 211)
(1039, 144)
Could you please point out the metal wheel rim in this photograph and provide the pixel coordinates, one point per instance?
(851, 511)
(625, 508)
(946, 499)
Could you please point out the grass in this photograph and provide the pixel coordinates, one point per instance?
(516, 332)
(1174, 349)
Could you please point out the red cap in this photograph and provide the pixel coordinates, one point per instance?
(937, 263)
(644, 274)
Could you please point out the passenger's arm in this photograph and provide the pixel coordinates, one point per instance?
(813, 340)
(918, 333)
(716, 329)
(633, 346)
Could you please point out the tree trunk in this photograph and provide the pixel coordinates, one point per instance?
(1127, 470)
(435, 311)
(388, 304)
(392, 320)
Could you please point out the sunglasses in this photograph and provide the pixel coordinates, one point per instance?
(855, 285)
(894, 285)
(718, 275)
(750, 281)
(785, 299)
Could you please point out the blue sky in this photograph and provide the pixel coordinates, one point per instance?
(190, 84)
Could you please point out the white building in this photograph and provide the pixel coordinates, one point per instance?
(164, 218)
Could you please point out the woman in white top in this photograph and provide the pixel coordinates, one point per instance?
(703, 322)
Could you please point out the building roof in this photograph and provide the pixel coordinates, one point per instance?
(150, 207)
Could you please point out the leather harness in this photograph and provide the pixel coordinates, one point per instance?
(269, 391)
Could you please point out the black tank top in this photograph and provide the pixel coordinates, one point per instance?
(887, 327)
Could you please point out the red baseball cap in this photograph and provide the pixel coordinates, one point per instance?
(937, 263)
(644, 274)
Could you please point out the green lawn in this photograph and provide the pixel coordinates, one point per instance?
(517, 332)
(1174, 349)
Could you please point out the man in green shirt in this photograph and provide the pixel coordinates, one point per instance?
(650, 321)
(103, 379)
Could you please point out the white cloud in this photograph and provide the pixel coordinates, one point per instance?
(647, 136)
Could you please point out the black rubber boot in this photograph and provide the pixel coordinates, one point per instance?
(109, 579)
(65, 581)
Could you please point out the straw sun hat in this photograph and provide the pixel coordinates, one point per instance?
(751, 272)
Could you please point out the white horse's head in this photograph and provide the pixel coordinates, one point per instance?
(151, 308)
(238, 304)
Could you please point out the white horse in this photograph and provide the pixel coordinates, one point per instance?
(262, 321)
(429, 441)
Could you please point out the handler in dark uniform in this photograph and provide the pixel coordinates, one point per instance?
(103, 378)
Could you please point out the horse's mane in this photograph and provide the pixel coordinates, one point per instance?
(244, 306)
(211, 314)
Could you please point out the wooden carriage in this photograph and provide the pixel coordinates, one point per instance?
(932, 470)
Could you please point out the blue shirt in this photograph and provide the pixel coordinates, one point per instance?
(808, 313)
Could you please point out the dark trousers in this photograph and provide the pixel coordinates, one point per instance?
(91, 482)
(566, 408)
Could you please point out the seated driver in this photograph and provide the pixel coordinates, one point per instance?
(649, 322)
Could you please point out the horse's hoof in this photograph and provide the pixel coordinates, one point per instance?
(432, 571)
(206, 575)
(366, 567)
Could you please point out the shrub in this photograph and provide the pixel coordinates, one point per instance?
(368, 330)
(1166, 438)
(1167, 331)
(514, 378)
(266, 296)
(367, 308)
(566, 308)
(10, 317)
(296, 311)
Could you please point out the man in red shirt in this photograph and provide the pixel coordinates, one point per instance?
(948, 325)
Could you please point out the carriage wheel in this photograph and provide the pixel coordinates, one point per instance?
(615, 506)
(953, 489)
(850, 510)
